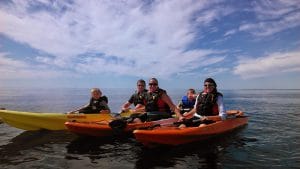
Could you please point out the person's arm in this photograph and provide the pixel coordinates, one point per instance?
(106, 109)
(222, 111)
(104, 98)
(179, 105)
(126, 106)
(190, 114)
(172, 106)
(139, 108)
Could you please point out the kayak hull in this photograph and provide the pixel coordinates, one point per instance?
(177, 136)
(101, 129)
(48, 121)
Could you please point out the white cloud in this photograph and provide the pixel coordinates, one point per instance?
(16, 69)
(273, 16)
(274, 9)
(152, 37)
(230, 32)
(275, 63)
(215, 71)
(211, 13)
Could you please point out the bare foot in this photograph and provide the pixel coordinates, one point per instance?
(137, 120)
(202, 125)
(182, 126)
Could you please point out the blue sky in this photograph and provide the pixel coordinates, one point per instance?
(241, 44)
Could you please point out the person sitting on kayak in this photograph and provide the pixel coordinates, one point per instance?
(97, 104)
(188, 101)
(209, 104)
(137, 99)
(158, 105)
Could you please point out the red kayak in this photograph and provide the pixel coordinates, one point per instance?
(102, 128)
(171, 135)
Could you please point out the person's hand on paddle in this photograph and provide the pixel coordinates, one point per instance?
(125, 109)
(203, 118)
(73, 112)
(104, 111)
(189, 114)
(181, 118)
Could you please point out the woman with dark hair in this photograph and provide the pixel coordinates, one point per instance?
(209, 104)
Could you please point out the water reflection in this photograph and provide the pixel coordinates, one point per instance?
(101, 148)
(31, 140)
(88, 145)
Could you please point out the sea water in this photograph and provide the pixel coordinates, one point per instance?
(270, 140)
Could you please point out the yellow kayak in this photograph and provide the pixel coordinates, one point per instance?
(49, 121)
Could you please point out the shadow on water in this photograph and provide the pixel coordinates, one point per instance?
(96, 148)
(204, 154)
(88, 144)
(29, 140)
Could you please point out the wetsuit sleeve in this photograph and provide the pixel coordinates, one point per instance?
(105, 106)
(131, 99)
(105, 99)
(222, 111)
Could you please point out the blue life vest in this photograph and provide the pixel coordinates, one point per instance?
(186, 103)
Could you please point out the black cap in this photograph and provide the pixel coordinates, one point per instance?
(210, 80)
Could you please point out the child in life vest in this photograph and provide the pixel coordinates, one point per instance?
(97, 104)
(188, 101)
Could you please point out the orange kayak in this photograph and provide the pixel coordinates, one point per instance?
(175, 136)
(102, 128)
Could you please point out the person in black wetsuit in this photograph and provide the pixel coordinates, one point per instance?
(137, 99)
(97, 104)
(158, 104)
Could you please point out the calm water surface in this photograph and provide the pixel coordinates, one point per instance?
(270, 140)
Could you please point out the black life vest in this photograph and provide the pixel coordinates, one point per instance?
(138, 97)
(96, 105)
(153, 102)
(207, 104)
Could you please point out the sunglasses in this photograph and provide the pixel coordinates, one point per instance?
(140, 85)
(209, 85)
(152, 84)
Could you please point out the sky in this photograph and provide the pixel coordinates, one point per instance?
(112, 44)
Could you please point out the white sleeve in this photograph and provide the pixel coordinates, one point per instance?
(195, 107)
(196, 102)
(222, 111)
